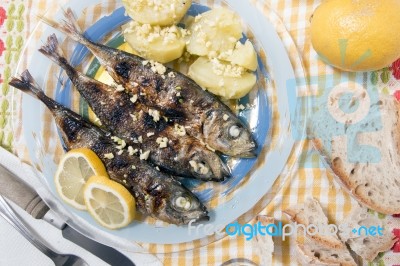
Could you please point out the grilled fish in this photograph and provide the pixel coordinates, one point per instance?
(131, 121)
(156, 194)
(206, 117)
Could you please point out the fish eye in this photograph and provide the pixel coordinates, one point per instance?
(234, 131)
(183, 203)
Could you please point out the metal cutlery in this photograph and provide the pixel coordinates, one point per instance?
(16, 190)
(12, 218)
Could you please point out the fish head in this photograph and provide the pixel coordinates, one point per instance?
(225, 132)
(182, 206)
(207, 165)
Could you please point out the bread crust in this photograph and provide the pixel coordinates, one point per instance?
(343, 180)
(317, 249)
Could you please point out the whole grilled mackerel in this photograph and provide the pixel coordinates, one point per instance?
(207, 117)
(156, 193)
(142, 128)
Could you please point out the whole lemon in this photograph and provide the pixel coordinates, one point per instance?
(357, 35)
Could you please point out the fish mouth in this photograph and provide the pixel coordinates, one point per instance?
(244, 152)
(201, 217)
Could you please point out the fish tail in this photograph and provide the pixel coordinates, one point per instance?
(52, 49)
(27, 84)
(69, 26)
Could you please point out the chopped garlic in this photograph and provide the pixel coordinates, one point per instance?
(157, 67)
(122, 145)
(133, 167)
(179, 130)
(148, 34)
(132, 151)
(116, 139)
(157, 168)
(155, 114)
(171, 75)
(134, 98)
(225, 117)
(140, 139)
(134, 117)
(120, 88)
(203, 169)
(163, 142)
(125, 175)
(241, 107)
(145, 155)
(226, 70)
(150, 134)
(193, 164)
(120, 152)
(109, 156)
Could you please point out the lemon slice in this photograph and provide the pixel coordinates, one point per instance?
(110, 203)
(74, 170)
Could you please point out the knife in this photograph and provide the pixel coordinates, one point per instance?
(25, 197)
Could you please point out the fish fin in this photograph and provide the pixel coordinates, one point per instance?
(70, 26)
(27, 84)
(52, 49)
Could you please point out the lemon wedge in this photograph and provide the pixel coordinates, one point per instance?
(109, 203)
(73, 171)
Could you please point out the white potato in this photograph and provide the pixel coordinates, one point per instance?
(157, 12)
(213, 32)
(162, 44)
(244, 55)
(222, 78)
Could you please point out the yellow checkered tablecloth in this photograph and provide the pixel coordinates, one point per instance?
(308, 176)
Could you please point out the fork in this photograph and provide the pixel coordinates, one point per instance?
(59, 259)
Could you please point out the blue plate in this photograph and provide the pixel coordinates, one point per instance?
(252, 178)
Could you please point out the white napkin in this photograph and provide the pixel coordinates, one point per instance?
(16, 250)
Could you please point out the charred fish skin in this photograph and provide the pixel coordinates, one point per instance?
(156, 193)
(158, 86)
(133, 123)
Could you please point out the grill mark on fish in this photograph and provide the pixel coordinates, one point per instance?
(79, 133)
(123, 69)
(114, 109)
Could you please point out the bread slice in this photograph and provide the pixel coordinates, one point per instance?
(311, 252)
(315, 248)
(311, 213)
(265, 244)
(367, 247)
(375, 185)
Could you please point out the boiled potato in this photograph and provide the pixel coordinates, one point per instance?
(162, 44)
(244, 55)
(222, 78)
(213, 32)
(157, 12)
